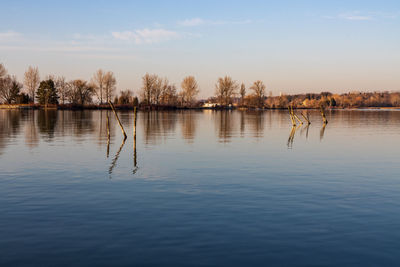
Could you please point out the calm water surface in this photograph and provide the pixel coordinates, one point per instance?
(199, 188)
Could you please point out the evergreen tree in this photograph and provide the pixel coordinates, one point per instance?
(23, 98)
(47, 93)
(15, 89)
(332, 102)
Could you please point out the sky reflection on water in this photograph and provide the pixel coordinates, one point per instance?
(225, 188)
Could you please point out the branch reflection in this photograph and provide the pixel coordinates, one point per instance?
(135, 167)
(291, 137)
(322, 132)
(108, 134)
(114, 161)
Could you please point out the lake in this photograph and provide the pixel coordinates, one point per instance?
(199, 188)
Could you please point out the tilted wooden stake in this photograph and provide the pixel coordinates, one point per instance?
(291, 137)
(323, 115)
(291, 115)
(297, 118)
(108, 135)
(134, 137)
(116, 116)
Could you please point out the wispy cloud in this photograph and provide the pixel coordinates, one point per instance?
(199, 21)
(358, 18)
(10, 36)
(109, 45)
(56, 48)
(237, 22)
(146, 36)
(363, 16)
(192, 22)
(123, 57)
(88, 37)
(355, 16)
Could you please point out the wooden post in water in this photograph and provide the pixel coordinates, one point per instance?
(116, 116)
(291, 137)
(134, 122)
(297, 118)
(134, 136)
(291, 116)
(323, 115)
(108, 135)
(294, 117)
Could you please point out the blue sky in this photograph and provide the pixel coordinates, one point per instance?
(293, 46)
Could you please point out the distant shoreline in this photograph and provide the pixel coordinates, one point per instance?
(160, 107)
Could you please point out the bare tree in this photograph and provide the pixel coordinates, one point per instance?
(242, 93)
(109, 85)
(258, 88)
(148, 81)
(169, 96)
(3, 71)
(79, 92)
(126, 97)
(50, 77)
(163, 90)
(4, 82)
(9, 89)
(98, 80)
(224, 90)
(157, 89)
(61, 86)
(31, 81)
(181, 98)
(189, 89)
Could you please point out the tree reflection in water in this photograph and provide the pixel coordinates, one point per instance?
(157, 125)
(160, 127)
(47, 120)
(188, 125)
(135, 166)
(256, 122)
(225, 127)
(31, 134)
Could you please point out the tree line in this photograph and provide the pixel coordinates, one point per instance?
(100, 90)
(327, 99)
(158, 91)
